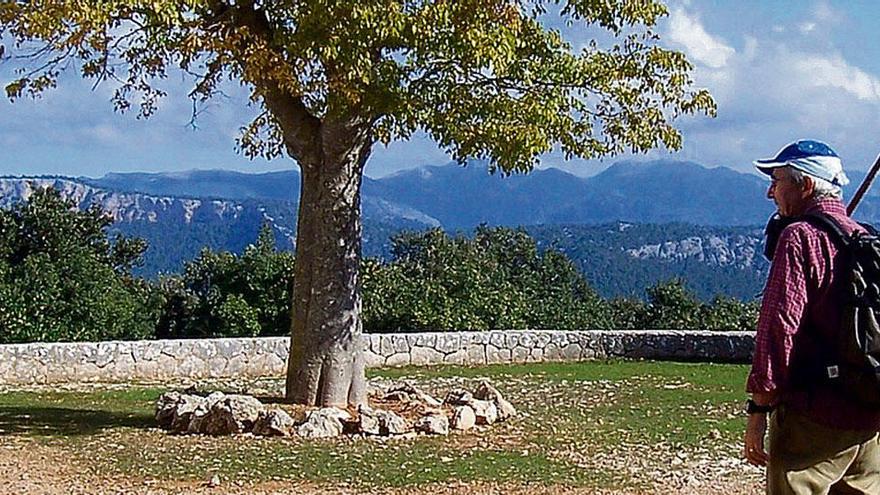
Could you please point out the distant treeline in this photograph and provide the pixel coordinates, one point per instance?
(63, 279)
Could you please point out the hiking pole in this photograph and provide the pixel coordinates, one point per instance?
(851, 207)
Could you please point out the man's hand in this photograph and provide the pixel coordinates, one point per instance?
(753, 450)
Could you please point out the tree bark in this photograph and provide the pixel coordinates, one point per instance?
(326, 366)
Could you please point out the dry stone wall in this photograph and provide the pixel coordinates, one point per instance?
(158, 360)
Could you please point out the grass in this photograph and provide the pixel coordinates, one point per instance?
(576, 415)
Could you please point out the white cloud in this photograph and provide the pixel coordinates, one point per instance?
(700, 46)
(751, 48)
(807, 27)
(775, 89)
(835, 72)
(824, 13)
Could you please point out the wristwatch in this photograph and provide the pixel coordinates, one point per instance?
(753, 407)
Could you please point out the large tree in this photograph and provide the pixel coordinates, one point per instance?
(485, 78)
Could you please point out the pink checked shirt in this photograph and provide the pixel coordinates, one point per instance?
(801, 292)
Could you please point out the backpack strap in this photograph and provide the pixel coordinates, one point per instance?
(870, 228)
(829, 225)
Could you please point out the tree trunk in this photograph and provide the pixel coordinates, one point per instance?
(326, 364)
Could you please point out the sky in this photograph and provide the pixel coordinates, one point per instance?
(779, 71)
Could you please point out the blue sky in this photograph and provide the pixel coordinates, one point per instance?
(779, 71)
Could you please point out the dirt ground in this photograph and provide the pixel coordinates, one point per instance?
(28, 466)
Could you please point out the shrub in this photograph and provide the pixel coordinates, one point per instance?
(61, 279)
(221, 294)
(495, 280)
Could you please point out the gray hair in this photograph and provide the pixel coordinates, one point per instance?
(821, 187)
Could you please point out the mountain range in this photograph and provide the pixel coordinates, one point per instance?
(660, 219)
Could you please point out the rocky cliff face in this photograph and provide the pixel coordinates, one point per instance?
(715, 250)
(122, 206)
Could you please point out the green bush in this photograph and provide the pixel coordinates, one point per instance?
(495, 280)
(61, 279)
(221, 294)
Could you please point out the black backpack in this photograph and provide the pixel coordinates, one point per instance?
(854, 364)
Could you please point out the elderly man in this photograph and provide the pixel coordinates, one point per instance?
(819, 441)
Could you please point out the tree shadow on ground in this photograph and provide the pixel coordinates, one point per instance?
(63, 421)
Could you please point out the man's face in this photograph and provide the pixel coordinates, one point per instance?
(790, 197)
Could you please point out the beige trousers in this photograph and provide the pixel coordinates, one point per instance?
(810, 459)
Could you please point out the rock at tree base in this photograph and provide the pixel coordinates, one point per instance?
(463, 418)
(485, 391)
(233, 414)
(392, 424)
(166, 406)
(369, 422)
(458, 397)
(485, 411)
(183, 411)
(505, 409)
(222, 414)
(323, 423)
(406, 392)
(200, 418)
(433, 424)
(274, 423)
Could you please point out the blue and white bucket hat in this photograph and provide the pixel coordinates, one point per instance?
(810, 157)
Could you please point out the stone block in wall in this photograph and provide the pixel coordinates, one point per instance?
(536, 355)
(266, 364)
(122, 367)
(216, 367)
(519, 354)
(386, 345)
(542, 338)
(373, 360)
(281, 347)
(511, 340)
(399, 343)
(422, 340)
(587, 353)
(90, 372)
(229, 348)
(458, 357)
(397, 359)
(527, 339)
(236, 365)
(7, 360)
(496, 339)
(559, 339)
(424, 355)
(571, 352)
(374, 341)
(552, 352)
(495, 355)
(474, 338)
(192, 367)
(144, 350)
(448, 342)
(147, 370)
(203, 350)
(613, 345)
(104, 354)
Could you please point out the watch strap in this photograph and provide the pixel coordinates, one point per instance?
(753, 407)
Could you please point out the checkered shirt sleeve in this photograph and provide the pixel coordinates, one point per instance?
(782, 310)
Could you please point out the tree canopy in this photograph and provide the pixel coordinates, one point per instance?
(485, 78)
